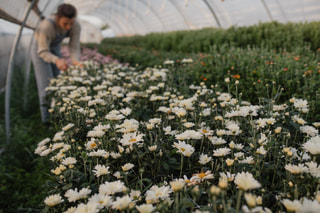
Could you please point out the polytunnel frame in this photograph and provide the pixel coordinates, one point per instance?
(28, 63)
(10, 70)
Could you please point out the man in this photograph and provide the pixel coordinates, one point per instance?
(45, 51)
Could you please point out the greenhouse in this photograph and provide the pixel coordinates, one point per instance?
(160, 106)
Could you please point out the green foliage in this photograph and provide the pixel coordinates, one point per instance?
(272, 35)
(22, 175)
(295, 73)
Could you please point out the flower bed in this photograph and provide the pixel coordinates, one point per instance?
(129, 140)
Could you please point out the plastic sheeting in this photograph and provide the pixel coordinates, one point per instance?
(140, 17)
(130, 17)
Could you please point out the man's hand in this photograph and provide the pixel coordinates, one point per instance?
(62, 64)
(77, 63)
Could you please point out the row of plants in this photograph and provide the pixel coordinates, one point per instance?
(260, 71)
(23, 176)
(273, 35)
(133, 139)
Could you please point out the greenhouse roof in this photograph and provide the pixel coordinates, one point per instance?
(140, 17)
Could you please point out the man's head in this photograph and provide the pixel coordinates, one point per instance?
(66, 15)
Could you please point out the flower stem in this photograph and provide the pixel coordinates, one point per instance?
(181, 166)
(239, 200)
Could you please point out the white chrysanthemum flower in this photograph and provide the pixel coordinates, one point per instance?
(96, 102)
(127, 167)
(206, 112)
(44, 142)
(312, 145)
(57, 146)
(156, 193)
(168, 62)
(74, 195)
(135, 194)
(314, 169)
(217, 140)
(309, 206)
(224, 97)
(40, 149)
(71, 210)
(227, 175)
(291, 206)
(69, 161)
(183, 148)
(177, 185)
(89, 207)
(247, 160)
(263, 140)
(298, 120)
(279, 107)
(67, 127)
(250, 199)
(114, 117)
(127, 126)
(85, 98)
(246, 181)
(204, 159)
(187, 60)
(234, 128)
(110, 188)
(131, 138)
(309, 130)
(202, 176)
(296, 169)
(103, 201)
(301, 105)
(238, 146)
(91, 144)
(167, 131)
(221, 152)
(122, 203)
(102, 127)
(127, 111)
(164, 109)
(99, 153)
(257, 209)
(316, 124)
(188, 124)
(95, 133)
(152, 148)
(53, 200)
(58, 170)
(205, 131)
(261, 150)
(100, 170)
(221, 132)
(146, 208)
(115, 155)
(189, 134)
(180, 112)
(58, 136)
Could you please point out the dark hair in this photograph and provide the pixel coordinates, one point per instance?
(66, 10)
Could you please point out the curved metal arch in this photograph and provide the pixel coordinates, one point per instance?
(10, 70)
